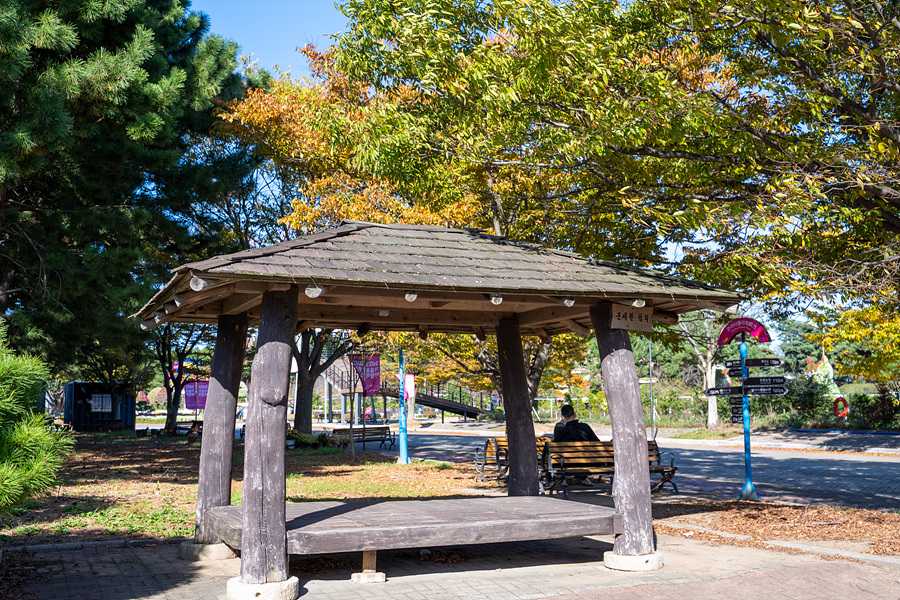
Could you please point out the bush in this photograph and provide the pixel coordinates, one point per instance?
(883, 409)
(494, 415)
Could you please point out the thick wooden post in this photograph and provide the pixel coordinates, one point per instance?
(214, 481)
(263, 541)
(631, 484)
(523, 467)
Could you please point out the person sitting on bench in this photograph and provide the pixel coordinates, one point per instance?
(570, 429)
(573, 430)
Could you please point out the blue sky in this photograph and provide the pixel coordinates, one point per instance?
(272, 29)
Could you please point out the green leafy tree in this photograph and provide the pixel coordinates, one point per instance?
(815, 85)
(98, 103)
(30, 454)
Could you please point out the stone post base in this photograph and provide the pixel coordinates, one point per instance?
(192, 551)
(368, 577)
(641, 562)
(281, 590)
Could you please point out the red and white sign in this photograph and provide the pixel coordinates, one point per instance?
(368, 367)
(743, 325)
(195, 395)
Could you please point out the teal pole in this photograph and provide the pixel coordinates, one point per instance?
(404, 456)
(748, 492)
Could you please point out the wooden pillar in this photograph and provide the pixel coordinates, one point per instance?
(214, 481)
(631, 484)
(523, 467)
(263, 541)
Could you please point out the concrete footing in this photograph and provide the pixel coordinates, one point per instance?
(281, 590)
(368, 577)
(192, 551)
(641, 562)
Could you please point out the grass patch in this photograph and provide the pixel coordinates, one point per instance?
(708, 434)
(162, 522)
(117, 486)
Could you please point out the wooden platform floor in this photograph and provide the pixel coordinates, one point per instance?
(325, 527)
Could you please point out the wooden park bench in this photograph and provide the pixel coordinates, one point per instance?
(195, 427)
(494, 455)
(375, 433)
(587, 459)
(59, 425)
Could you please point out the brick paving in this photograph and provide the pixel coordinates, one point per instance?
(562, 569)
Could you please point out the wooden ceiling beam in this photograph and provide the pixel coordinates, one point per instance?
(664, 316)
(552, 314)
(431, 318)
(238, 303)
(188, 298)
(576, 327)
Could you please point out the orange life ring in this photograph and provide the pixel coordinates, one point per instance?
(841, 413)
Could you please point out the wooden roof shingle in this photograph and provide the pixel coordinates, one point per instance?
(366, 265)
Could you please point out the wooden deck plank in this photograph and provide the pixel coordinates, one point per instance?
(324, 527)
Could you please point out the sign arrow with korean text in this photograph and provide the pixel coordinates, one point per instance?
(766, 391)
(755, 362)
(724, 391)
(764, 380)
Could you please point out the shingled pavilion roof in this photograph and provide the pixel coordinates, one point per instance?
(423, 278)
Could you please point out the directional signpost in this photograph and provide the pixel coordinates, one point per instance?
(750, 386)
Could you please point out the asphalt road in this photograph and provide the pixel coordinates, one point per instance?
(858, 480)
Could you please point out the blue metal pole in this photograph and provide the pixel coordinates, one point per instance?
(748, 492)
(404, 457)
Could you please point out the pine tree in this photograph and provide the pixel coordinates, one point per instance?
(99, 100)
(30, 454)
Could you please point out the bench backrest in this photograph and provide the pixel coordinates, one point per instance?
(578, 455)
(499, 446)
(358, 432)
(653, 449)
(588, 455)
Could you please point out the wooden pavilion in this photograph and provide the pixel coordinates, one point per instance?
(364, 277)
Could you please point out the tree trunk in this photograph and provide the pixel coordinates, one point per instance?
(631, 484)
(263, 540)
(536, 368)
(173, 403)
(214, 481)
(309, 368)
(523, 468)
(303, 407)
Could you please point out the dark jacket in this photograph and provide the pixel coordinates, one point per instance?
(575, 431)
